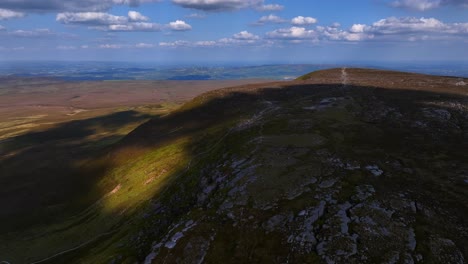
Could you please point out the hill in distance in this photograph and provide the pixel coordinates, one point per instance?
(339, 166)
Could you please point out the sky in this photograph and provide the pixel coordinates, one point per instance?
(211, 31)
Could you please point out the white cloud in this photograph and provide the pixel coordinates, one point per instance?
(144, 46)
(136, 16)
(9, 14)
(357, 28)
(66, 48)
(424, 5)
(300, 21)
(420, 5)
(133, 27)
(398, 29)
(218, 5)
(406, 25)
(205, 43)
(41, 6)
(110, 46)
(90, 18)
(2, 28)
(292, 33)
(183, 43)
(179, 25)
(178, 43)
(37, 33)
(242, 38)
(108, 22)
(269, 19)
(245, 35)
(271, 7)
(337, 34)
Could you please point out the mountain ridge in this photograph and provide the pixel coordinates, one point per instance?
(346, 166)
(349, 98)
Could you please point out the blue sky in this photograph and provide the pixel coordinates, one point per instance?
(288, 31)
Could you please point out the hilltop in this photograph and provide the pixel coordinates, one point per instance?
(338, 166)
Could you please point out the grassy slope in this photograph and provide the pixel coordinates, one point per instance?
(161, 164)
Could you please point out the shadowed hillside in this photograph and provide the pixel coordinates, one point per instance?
(341, 166)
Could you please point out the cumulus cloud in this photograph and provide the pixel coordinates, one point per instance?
(423, 5)
(108, 22)
(67, 5)
(300, 21)
(6, 14)
(292, 33)
(269, 19)
(357, 28)
(270, 8)
(136, 26)
(410, 25)
(336, 34)
(91, 18)
(179, 25)
(398, 29)
(242, 38)
(245, 35)
(218, 5)
(136, 16)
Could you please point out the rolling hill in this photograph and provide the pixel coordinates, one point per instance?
(338, 166)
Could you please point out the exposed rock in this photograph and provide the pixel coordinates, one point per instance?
(327, 183)
(375, 170)
(411, 240)
(274, 222)
(363, 192)
(437, 114)
(173, 241)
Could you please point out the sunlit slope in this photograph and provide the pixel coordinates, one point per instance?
(344, 166)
